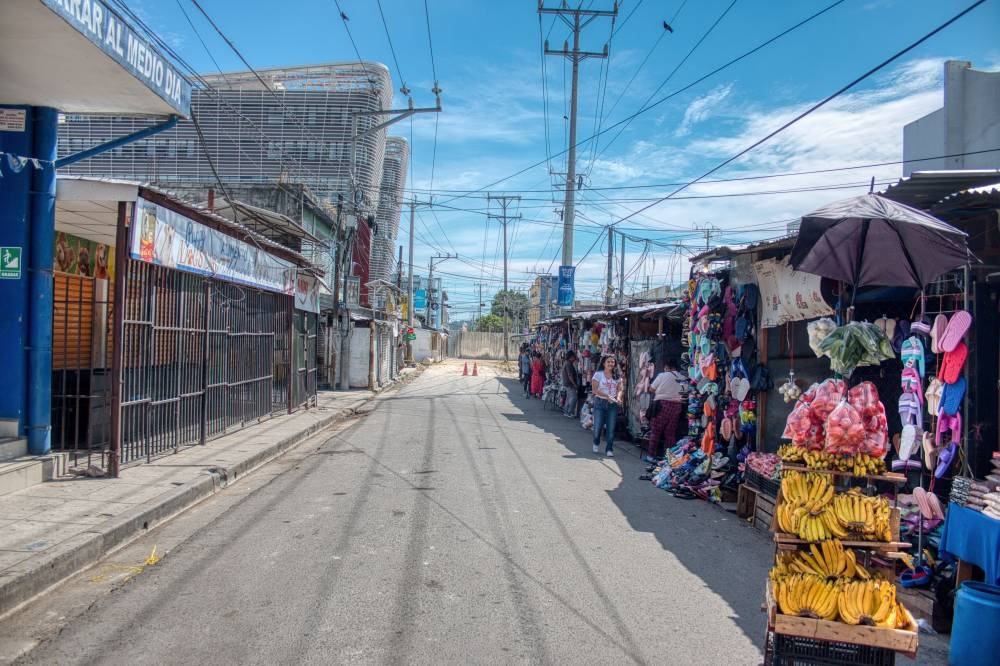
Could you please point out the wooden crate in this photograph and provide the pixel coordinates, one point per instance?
(905, 640)
(895, 545)
(764, 511)
(746, 502)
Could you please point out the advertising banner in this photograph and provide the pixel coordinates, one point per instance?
(419, 299)
(566, 289)
(165, 238)
(306, 293)
(787, 294)
(80, 256)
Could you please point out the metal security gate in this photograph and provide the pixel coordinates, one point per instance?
(304, 355)
(81, 368)
(199, 358)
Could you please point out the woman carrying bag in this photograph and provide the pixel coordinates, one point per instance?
(607, 387)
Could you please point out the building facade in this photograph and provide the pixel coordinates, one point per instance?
(967, 123)
(543, 297)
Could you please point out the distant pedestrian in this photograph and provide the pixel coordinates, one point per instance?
(608, 388)
(537, 375)
(570, 383)
(524, 369)
(668, 391)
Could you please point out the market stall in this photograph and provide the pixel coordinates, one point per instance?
(837, 537)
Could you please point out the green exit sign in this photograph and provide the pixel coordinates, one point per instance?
(10, 263)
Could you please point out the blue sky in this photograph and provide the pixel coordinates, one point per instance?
(504, 106)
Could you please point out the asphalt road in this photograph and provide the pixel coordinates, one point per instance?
(457, 523)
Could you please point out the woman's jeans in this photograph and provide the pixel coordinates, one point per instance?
(605, 414)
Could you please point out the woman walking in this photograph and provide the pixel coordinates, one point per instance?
(537, 375)
(524, 369)
(668, 397)
(607, 387)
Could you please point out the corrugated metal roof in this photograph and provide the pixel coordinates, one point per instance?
(925, 189)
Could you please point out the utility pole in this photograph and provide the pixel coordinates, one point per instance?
(610, 289)
(621, 276)
(430, 281)
(708, 228)
(504, 219)
(409, 285)
(576, 19)
(479, 310)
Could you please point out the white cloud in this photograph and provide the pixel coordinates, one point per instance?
(703, 107)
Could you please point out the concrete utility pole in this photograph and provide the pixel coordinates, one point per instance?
(577, 20)
(708, 228)
(504, 219)
(621, 276)
(609, 290)
(479, 310)
(430, 282)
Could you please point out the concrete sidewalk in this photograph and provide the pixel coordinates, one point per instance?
(52, 530)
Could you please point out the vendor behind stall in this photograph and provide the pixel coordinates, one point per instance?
(668, 391)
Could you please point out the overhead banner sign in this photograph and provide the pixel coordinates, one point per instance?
(306, 293)
(419, 299)
(165, 238)
(787, 294)
(566, 288)
(108, 31)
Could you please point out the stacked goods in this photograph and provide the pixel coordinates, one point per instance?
(829, 560)
(811, 510)
(860, 464)
(869, 602)
(831, 419)
(866, 518)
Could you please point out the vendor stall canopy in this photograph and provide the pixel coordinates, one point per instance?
(872, 240)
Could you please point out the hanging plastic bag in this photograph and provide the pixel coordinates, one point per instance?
(844, 430)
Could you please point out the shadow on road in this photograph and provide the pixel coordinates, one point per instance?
(728, 556)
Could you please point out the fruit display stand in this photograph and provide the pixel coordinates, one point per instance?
(801, 640)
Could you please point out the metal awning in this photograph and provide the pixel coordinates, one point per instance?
(239, 211)
(925, 189)
(82, 57)
(88, 207)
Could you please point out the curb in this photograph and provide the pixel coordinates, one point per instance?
(81, 551)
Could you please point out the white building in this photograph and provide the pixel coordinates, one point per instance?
(968, 122)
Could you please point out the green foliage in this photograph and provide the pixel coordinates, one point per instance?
(510, 304)
(490, 323)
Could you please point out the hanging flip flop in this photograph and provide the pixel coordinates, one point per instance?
(955, 331)
(937, 332)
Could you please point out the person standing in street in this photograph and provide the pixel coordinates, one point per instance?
(570, 383)
(668, 391)
(537, 375)
(524, 368)
(607, 387)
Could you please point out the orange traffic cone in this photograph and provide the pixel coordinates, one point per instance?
(465, 371)
(475, 369)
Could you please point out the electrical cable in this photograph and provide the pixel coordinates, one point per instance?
(816, 106)
(392, 49)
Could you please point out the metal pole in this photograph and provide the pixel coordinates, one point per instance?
(409, 285)
(621, 275)
(42, 233)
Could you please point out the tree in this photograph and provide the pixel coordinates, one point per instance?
(510, 304)
(490, 323)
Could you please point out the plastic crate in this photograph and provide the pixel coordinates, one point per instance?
(782, 650)
(757, 480)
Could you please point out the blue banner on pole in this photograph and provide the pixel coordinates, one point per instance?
(419, 299)
(566, 293)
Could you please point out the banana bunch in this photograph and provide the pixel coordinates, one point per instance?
(808, 596)
(827, 560)
(807, 507)
(791, 453)
(865, 517)
(859, 464)
(871, 602)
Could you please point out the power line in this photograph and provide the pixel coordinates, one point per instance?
(816, 106)
(392, 50)
(668, 96)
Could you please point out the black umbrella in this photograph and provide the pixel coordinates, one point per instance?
(871, 240)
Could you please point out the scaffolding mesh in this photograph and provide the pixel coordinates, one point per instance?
(297, 129)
